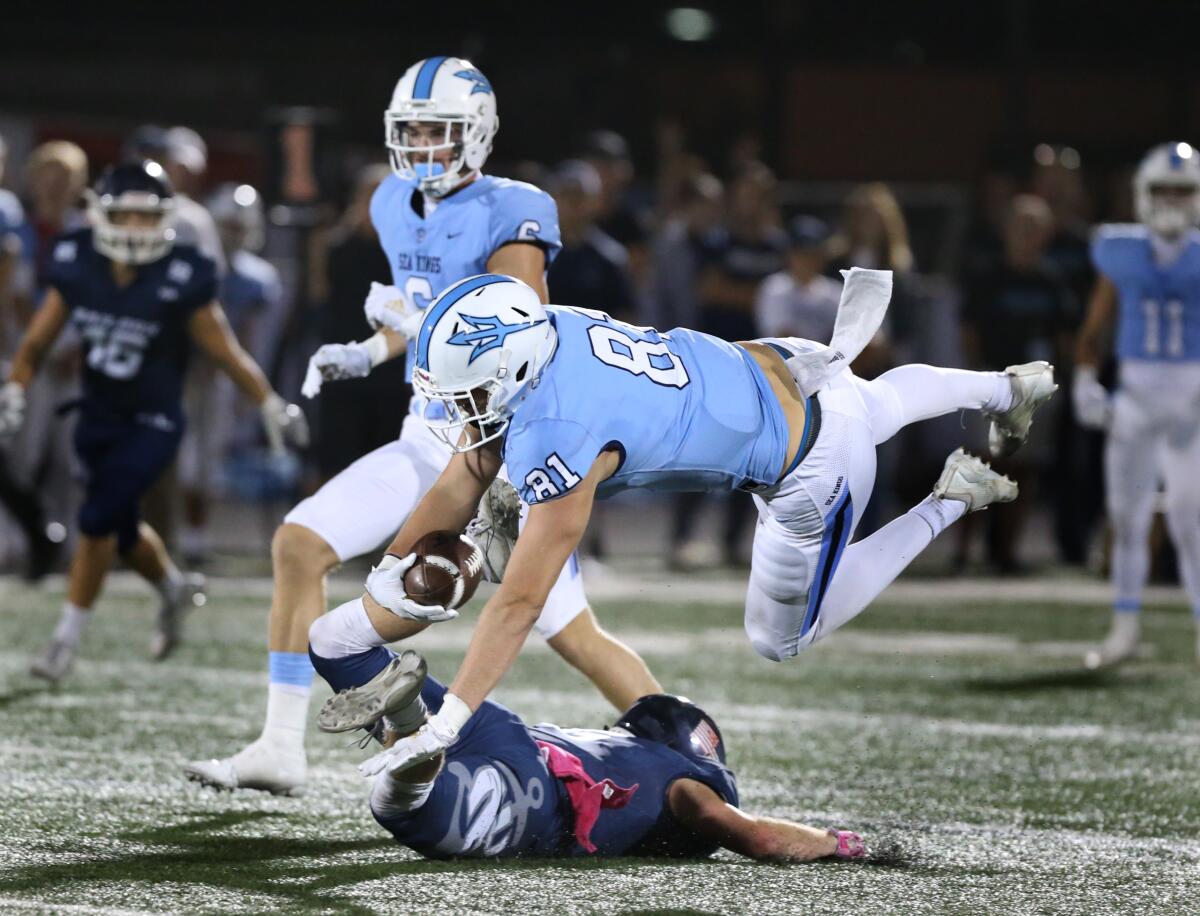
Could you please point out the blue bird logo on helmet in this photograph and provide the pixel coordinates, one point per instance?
(481, 349)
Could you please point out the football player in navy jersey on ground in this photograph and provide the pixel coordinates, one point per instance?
(657, 784)
(139, 301)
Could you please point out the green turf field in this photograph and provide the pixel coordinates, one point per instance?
(951, 725)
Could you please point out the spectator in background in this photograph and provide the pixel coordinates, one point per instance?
(1079, 491)
(17, 496)
(356, 416)
(592, 269)
(800, 301)
(251, 294)
(618, 214)
(687, 242)
(184, 155)
(1020, 311)
(752, 249)
(42, 456)
(874, 234)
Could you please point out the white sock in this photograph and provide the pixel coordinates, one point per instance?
(287, 717)
(939, 514)
(71, 623)
(169, 585)
(1002, 395)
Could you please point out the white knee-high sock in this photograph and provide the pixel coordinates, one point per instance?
(909, 394)
(872, 564)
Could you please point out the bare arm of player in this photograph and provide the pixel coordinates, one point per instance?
(1093, 336)
(703, 811)
(551, 533)
(211, 331)
(523, 260)
(47, 324)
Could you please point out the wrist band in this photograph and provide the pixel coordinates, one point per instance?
(377, 348)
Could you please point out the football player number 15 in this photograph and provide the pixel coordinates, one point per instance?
(116, 353)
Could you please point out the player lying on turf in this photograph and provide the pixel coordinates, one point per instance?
(580, 406)
(1148, 287)
(439, 219)
(655, 785)
(139, 301)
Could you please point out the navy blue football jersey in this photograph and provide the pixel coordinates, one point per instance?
(495, 795)
(135, 338)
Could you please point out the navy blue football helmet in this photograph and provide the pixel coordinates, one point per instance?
(132, 187)
(676, 722)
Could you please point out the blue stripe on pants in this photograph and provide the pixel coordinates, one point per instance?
(833, 542)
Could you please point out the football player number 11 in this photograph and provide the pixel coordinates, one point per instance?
(1155, 312)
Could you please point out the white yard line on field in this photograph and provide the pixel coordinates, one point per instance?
(638, 586)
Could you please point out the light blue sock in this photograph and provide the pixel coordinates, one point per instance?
(291, 671)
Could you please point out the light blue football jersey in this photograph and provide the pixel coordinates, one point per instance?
(686, 411)
(1158, 315)
(429, 253)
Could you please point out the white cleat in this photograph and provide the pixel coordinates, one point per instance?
(54, 663)
(970, 480)
(1032, 385)
(259, 765)
(495, 527)
(1119, 646)
(168, 627)
(390, 691)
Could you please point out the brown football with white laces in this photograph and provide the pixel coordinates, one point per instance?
(447, 571)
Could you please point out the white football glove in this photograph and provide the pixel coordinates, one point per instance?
(496, 526)
(12, 408)
(432, 739)
(1093, 406)
(333, 362)
(386, 307)
(283, 423)
(385, 583)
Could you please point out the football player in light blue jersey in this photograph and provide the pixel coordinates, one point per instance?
(1149, 290)
(439, 219)
(580, 406)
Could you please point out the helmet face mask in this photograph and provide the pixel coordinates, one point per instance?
(463, 418)
(440, 124)
(131, 210)
(1167, 189)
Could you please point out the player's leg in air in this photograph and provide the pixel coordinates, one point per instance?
(807, 578)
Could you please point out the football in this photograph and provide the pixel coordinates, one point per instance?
(447, 572)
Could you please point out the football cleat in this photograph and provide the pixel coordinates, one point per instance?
(389, 692)
(168, 627)
(970, 480)
(54, 663)
(259, 765)
(1119, 646)
(496, 526)
(1032, 385)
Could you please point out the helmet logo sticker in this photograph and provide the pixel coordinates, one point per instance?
(480, 81)
(489, 334)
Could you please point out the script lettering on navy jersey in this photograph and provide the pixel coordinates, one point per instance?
(115, 343)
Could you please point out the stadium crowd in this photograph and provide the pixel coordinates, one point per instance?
(729, 250)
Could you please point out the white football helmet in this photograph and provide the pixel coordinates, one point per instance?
(451, 92)
(480, 351)
(1166, 189)
(238, 207)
